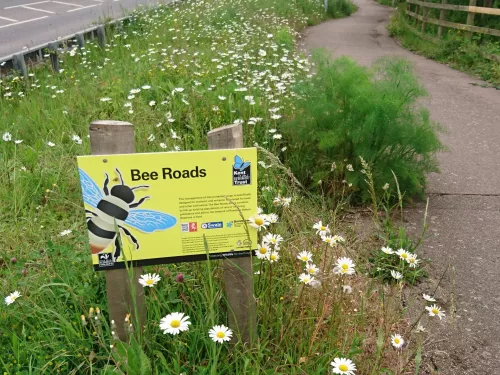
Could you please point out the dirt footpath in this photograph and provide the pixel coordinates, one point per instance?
(464, 209)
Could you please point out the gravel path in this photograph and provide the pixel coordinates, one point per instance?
(464, 209)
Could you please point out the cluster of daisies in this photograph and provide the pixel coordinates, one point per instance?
(177, 322)
(268, 249)
(405, 256)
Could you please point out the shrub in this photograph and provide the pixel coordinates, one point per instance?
(349, 111)
(340, 8)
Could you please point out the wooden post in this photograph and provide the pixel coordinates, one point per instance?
(442, 17)
(80, 40)
(117, 137)
(470, 18)
(19, 64)
(425, 11)
(326, 6)
(238, 274)
(54, 59)
(101, 36)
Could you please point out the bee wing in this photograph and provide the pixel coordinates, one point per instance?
(91, 192)
(149, 221)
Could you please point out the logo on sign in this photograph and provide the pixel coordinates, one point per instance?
(106, 260)
(189, 227)
(212, 225)
(241, 172)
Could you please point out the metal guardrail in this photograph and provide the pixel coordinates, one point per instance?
(33, 56)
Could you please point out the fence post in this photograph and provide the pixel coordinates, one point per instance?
(54, 58)
(470, 18)
(326, 6)
(425, 10)
(238, 274)
(442, 17)
(80, 40)
(117, 137)
(19, 64)
(101, 36)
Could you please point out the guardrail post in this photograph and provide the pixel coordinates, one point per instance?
(54, 58)
(101, 36)
(19, 64)
(442, 17)
(80, 40)
(125, 294)
(470, 18)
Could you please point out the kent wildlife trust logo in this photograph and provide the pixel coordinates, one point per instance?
(241, 172)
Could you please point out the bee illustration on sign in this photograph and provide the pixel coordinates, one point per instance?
(113, 209)
(241, 171)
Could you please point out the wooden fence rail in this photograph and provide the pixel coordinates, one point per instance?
(423, 7)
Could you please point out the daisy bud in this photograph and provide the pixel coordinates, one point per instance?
(91, 312)
(84, 321)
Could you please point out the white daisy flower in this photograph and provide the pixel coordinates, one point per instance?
(262, 251)
(311, 269)
(350, 168)
(12, 297)
(343, 366)
(174, 323)
(152, 103)
(305, 256)
(149, 279)
(306, 278)
(258, 222)
(105, 99)
(146, 87)
(7, 137)
(50, 144)
(413, 261)
(403, 254)
(135, 91)
(387, 250)
(329, 240)
(397, 275)
(435, 310)
(428, 298)
(273, 239)
(220, 334)
(321, 229)
(345, 266)
(272, 218)
(397, 341)
(272, 256)
(65, 232)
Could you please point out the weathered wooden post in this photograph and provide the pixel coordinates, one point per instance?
(425, 11)
(125, 294)
(101, 36)
(326, 6)
(238, 275)
(442, 17)
(54, 58)
(19, 64)
(470, 18)
(80, 40)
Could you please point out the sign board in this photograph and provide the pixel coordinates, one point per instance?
(163, 203)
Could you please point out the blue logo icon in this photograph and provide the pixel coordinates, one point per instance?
(229, 224)
(212, 225)
(239, 164)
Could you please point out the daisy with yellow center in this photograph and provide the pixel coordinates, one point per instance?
(258, 221)
(397, 341)
(344, 266)
(387, 250)
(343, 366)
(329, 240)
(220, 334)
(174, 323)
(149, 279)
(413, 261)
(305, 256)
(435, 310)
(312, 269)
(272, 239)
(273, 256)
(403, 254)
(306, 278)
(11, 298)
(397, 275)
(321, 228)
(262, 251)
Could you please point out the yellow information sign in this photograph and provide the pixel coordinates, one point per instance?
(159, 206)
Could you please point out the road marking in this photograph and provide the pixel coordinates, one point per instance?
(63, 3)
(8, 19)
(40, 10)
(17, 6)
(88, 6)
(18, 23)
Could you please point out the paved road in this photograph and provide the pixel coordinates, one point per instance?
(464, 209)
(27, 23)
